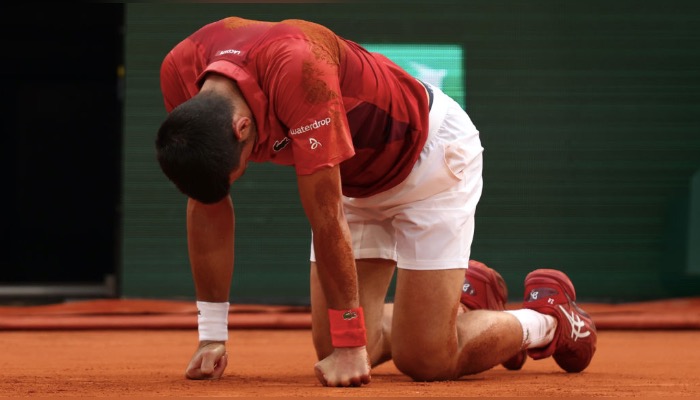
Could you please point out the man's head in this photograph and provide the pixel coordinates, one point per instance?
(199, 145)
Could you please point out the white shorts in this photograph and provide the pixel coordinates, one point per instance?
(427, 221)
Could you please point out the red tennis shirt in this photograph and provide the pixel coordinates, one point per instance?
(318, 100)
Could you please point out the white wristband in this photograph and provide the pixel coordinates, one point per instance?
(212, 321)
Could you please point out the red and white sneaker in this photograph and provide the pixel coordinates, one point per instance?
(485, 289)
(550, 292)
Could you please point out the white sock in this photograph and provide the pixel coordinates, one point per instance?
(538, 329)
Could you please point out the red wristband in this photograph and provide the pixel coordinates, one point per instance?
(347, 327)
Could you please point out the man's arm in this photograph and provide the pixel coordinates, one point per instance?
(210, 239)
(321, 197)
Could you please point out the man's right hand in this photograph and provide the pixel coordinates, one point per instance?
(208, 362)
(344, 367)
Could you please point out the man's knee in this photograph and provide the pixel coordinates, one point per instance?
(423, 364)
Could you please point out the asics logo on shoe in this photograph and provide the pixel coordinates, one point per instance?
(577, 325)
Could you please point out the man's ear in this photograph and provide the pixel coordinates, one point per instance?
(241, 128)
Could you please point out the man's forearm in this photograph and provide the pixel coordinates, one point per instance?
(210, 240)
(321, 197)
(336, 266)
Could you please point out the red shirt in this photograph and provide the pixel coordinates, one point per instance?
(318, 100)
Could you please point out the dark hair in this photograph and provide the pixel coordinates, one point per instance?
(196, 148)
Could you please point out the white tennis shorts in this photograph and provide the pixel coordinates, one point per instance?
(427, 221)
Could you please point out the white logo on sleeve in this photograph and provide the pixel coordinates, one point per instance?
(229, 51)
(314, 125)
(314, 143)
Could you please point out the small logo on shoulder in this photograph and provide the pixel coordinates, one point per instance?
(229, 51)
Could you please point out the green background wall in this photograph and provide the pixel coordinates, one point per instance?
(589, 113)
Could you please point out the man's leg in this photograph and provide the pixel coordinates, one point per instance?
(374, 277)
(431, 340)
(485, 289)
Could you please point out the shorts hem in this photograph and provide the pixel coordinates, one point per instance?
(375, 253)
(434, 265)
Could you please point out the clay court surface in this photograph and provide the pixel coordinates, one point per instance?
(140, 349)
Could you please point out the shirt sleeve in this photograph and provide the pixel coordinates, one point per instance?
(303, 84)
(178, 74)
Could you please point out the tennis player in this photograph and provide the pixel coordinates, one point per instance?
(389, 173)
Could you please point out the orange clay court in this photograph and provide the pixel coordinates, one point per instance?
(139, 348)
